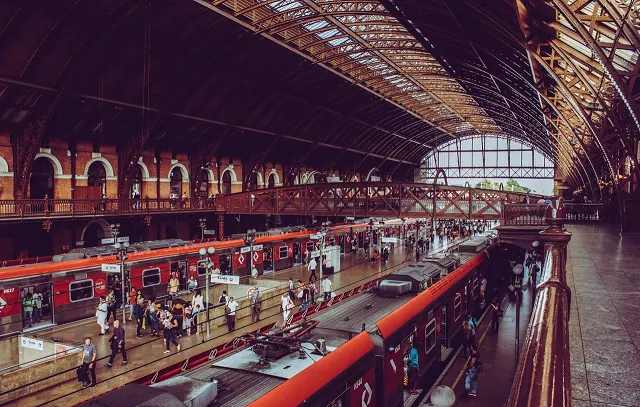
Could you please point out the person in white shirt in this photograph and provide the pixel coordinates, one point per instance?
(254, 272)
(287, 305)
(37, 302)
(197, 305)
(312, 270)
(101, 315)
(326, 288)
(231, 316)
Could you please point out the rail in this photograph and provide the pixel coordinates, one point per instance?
(543, 376)
(69, 208)
(516, 214)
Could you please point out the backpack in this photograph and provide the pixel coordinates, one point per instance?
(480, 366)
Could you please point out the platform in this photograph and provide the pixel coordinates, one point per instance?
(497, 353)
(146, 355)
(604, 327)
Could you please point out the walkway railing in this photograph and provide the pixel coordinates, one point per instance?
(543, 377)
(535, 214)
(65, 208)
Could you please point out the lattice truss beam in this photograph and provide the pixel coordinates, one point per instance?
(594, 64)
(361, 41)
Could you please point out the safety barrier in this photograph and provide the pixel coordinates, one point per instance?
(543, 376)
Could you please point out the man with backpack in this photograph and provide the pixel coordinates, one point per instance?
(474, 368)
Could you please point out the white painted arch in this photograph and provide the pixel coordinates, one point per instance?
(4, 166)
(107, 166)
(234, 177)
(145, 170)
(183, 170)
(276, 178)
(57, 166)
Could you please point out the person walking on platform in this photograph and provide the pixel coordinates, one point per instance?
(169, 325)
(414, 369)
(138, 312)
(473, 365)
(232, 305)
(88, 359)
(101, 315)
(326, 288)
(467, 339)
(495, 316)
(117, 344)
(312, 270)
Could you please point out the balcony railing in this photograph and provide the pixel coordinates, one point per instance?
(534, 214)
(543, 376)
(44, 208)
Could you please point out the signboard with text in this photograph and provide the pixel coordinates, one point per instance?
(31, 343)
(111, 268)
(222, 279)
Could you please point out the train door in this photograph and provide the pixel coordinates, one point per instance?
(37, 299)
(444, 329)
(225, 264)
(267, 259)
(407, 344)
(297, 253)
(342, 241)
(361, 240)
(179, 269)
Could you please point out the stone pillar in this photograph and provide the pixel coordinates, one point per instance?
(220, 226)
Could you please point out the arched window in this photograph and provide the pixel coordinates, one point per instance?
(41, 182)
(226, 183)
(175, 182)
(98, 177)
(136, 183)
(272, 180)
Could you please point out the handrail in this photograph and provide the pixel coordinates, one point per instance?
(543, 376)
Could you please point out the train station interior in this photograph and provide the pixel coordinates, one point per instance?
(328, 203)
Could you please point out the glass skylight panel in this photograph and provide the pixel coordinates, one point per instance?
(339, 41)
(285, 5)
(329, 33)
(316, 25)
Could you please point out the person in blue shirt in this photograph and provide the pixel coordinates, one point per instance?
(414, 370)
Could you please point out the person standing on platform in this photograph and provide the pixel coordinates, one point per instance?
(101, 315)
(312, 270)
(27, 307)
(197, 306)
(232, 305)
(138, 312)
(256, 305)
(326, 288)
(254, 271)
(37, 305)
(88, 359)
(473, 322)
(169, 325)
(414, 370)
(471, 380)
(224, 298)
(495, 316)
(467, 339)
(286, 305)
(292, 290)
(132, 301)
(117, 344)
(174, 285)
(111, 305)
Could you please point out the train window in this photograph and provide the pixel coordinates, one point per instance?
(457, 307)
(475, 288)
(150, 277)
(81, 290)
(202, 268)
(430, 336)
(283, 251)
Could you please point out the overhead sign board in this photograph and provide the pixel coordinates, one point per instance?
(390, 240)
(316, 236)
(222, 279)
(315, 253)
(245, 249)
(111, 268)
(122, 239)
(108, 240)
(209, 232)
(257, 247)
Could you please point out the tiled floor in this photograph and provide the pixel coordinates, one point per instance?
(604, 329)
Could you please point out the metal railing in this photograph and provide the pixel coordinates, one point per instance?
(543, 376)
(55, 208)
(535, 214)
